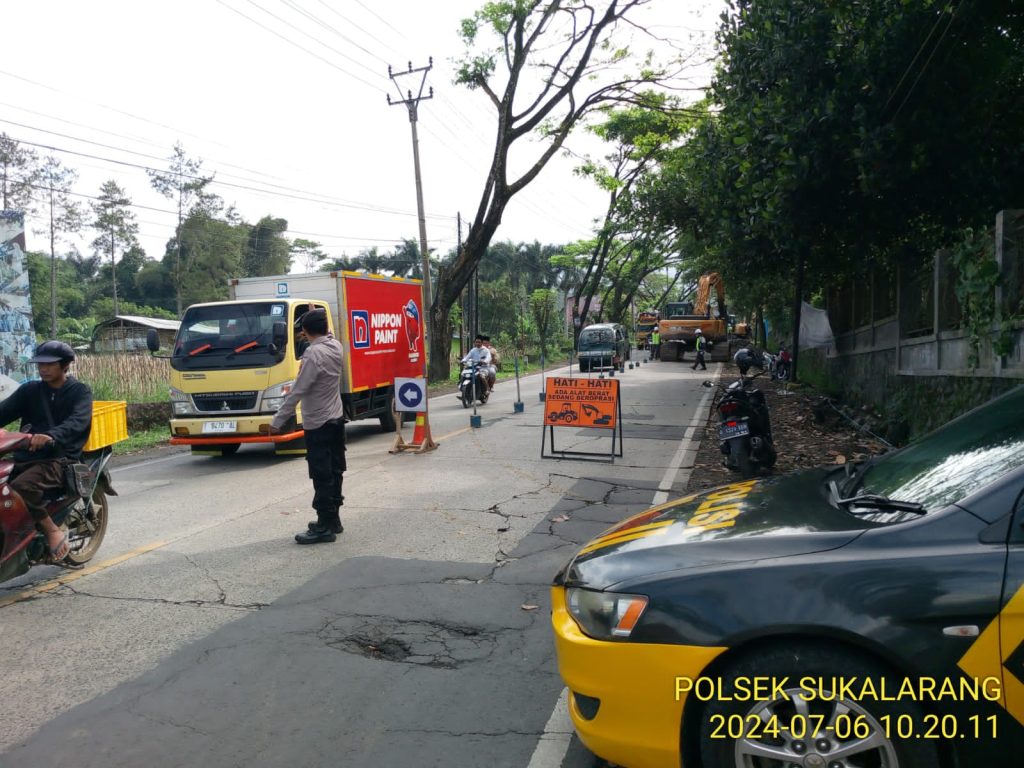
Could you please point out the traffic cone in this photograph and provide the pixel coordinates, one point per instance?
(421, 439)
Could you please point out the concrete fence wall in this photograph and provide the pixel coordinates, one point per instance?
(918, 352)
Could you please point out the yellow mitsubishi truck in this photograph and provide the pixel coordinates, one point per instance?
(233, 362)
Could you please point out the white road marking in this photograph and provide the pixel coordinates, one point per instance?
(554, 742)
(674, 467)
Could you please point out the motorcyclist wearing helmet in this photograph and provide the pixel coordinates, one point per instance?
(57, 412)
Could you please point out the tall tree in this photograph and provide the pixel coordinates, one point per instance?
(308, 253)
(566, 46)
(115, 223)
(62, 215)
(267, 252)
(639, 136)
(846, 131)
(183, 183)
(543, 308)
(19, 171)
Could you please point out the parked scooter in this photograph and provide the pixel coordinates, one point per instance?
(473, 384)
(81, 506)
(744, 429)
(782, 362)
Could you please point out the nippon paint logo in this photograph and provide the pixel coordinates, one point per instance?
(381, 328)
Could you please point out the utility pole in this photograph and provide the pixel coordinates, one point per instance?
(412, 103)
(426, 442)
(465, 291)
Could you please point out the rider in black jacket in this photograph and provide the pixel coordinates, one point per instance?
(57, 412)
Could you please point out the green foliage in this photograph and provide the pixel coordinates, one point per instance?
(977, 279)
(19, 169)
(543, 312)
(267, 251)
(307, 252)
(140, 441)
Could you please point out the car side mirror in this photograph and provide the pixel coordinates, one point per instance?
(153, 340)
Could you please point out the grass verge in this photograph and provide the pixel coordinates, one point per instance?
(140, 441)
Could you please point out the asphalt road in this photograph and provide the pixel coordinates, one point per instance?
(202, 635)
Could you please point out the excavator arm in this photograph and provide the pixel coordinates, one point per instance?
(708, 281)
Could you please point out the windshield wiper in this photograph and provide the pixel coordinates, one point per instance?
(199, 350)
(874, 501)
(855, 473)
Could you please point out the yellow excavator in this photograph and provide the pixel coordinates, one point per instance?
(682, 318)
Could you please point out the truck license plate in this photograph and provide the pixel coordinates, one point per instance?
(726, 432)
(219, 427)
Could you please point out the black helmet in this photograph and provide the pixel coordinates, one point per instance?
(53, 352)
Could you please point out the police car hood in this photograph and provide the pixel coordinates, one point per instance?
(741, 522)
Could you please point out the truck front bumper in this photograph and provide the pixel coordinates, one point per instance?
(247, 429)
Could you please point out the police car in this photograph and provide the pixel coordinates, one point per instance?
(867, 615)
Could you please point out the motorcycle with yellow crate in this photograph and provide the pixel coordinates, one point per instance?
(81, 504)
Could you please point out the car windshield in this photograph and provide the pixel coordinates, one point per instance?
(226, 336)
(955, 460)
(596, 337)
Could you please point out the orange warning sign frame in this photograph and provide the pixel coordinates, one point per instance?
(582, 403)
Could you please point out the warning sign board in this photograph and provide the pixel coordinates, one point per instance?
(581, 402)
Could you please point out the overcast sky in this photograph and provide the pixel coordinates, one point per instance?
(284, 100)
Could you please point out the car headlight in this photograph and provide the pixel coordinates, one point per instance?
(181, 403)
(273, 397)
(605, 615)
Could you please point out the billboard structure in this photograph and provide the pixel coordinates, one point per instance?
(17, 340)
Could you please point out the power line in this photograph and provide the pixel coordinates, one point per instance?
(121, 136)
(317, 20)
(340, 201)
(938, 44)
(311, 37)
(304, 198)
(293, 43)
(920, 50)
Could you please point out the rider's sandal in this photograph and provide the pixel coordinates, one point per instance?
(64, 546)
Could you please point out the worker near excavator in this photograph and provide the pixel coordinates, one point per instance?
(700, 346)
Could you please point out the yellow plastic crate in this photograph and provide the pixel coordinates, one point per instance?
(109, 424)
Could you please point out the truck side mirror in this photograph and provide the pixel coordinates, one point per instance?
(279, 333)
(153, 340)
(278, 338)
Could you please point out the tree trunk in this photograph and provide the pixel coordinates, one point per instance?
(450, 283)
(113, 270)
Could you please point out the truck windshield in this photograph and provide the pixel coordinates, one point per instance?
(227, 336)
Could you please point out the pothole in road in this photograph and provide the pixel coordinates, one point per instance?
(425, 643)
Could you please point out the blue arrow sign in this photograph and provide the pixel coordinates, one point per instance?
(410, 395)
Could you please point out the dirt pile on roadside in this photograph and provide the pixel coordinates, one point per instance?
(809, 431)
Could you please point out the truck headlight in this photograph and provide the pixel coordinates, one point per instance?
(181, 403)
(273, 397)
(605, 615)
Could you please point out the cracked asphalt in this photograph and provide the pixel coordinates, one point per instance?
(421, 638)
